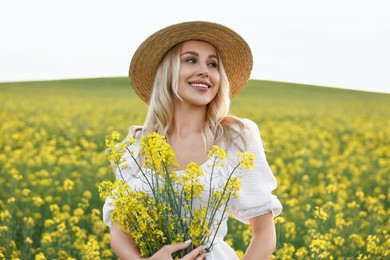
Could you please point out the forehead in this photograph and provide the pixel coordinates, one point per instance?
(198, 46)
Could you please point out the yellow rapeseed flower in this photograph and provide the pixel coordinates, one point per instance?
(302, 253)
(217, 152)
(190, 181)
(26, 192)
(157, 152)
(4, 215)
(246, 159)
(46, 238)
(4, 228)
(279, 220)
(105, 188)
(320, 213)
(28, 221)
(38, 201)
(91, 250)
(68, 184)
(40, 256)
(11, 200)
(318, 245)
(233, 186)
(112, 139)
(198, 226)
(358, 240)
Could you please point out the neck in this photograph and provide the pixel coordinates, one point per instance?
(187, 120)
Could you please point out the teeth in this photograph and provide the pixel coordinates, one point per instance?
(199, 85)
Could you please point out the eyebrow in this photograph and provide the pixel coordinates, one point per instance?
(197, 54)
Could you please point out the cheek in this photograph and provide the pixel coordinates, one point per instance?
(184, 71)
(217, 90)
(217, 80)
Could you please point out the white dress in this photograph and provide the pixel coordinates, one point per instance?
(255, 196)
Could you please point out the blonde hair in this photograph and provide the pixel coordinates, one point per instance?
(219, 125)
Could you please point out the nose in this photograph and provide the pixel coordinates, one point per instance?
(203, 70)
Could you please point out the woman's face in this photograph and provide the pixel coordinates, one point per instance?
(199, 77)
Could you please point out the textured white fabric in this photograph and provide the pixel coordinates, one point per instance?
(255, 196)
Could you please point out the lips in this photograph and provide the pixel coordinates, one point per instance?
(200, 85)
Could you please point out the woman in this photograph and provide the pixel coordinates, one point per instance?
(187, 73)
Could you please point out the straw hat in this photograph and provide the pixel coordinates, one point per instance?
(234, 51)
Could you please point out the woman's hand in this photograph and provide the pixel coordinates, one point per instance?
(124, 247)
(165, 253)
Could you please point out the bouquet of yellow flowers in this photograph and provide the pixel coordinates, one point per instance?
(173, 206)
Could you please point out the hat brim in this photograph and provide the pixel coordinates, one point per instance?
(234, 51)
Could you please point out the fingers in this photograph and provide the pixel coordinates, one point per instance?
(177, 247)
(196, 254)
(201, 256)
(166, 251)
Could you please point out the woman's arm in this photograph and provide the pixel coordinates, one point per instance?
(124, 247)
(263, 241)
(123, 244)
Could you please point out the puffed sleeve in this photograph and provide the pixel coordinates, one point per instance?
(255, 196)
(124, 172)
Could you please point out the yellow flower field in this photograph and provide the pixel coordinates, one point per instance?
(329, 150)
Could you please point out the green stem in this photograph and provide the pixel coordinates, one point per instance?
(219, 224)
(151, 185)
(221, 198)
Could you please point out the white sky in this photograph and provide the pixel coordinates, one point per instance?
(337, 43)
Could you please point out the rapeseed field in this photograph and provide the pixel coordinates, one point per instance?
(328, 148)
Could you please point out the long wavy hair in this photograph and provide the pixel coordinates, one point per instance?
(219, 125)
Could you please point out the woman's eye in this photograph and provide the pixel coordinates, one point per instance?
(191, 60)
(213, 64)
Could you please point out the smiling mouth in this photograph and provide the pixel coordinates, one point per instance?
(199, 85)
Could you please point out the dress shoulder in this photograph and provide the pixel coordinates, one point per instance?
(128, 166)
(255, 196)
